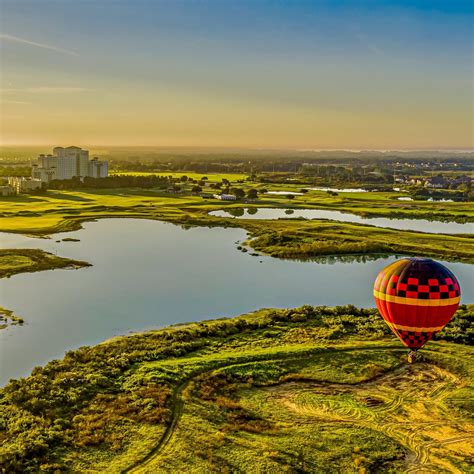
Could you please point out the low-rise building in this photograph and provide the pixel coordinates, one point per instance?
(7, 191)
(225, 197)
(437, 182)
(25, 185)
(459, 180)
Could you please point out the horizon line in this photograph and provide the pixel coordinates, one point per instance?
(260, 148)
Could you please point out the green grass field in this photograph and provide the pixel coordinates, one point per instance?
(308, 389)
(303, 390)
(13, 261)
(212, 177)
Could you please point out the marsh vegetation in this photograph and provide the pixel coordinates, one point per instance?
(13, 261)
(280, 389)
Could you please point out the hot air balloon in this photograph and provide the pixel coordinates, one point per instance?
(416, 297)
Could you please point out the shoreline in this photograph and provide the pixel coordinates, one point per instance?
(16, 261)
(213, 369)
(358, 239)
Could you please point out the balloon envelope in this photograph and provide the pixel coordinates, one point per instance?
(416, 297)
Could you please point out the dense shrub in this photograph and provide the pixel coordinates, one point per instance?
(94, 395)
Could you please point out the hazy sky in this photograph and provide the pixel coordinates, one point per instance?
(287, 73)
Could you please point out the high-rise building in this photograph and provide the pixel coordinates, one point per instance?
(98, 168)
(67, 163)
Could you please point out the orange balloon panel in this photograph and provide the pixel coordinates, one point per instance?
(416, 297)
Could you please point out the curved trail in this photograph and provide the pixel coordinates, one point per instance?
(177, 401)
(413, 413)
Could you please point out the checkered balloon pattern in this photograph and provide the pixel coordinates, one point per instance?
(416, 297)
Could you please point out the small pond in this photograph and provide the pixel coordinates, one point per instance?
(285, 193)
(337, 190)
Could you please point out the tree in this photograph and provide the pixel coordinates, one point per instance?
(238, 193)
(236, 212)
(290, 196)
(183, 178)
(196, 189)
(252, 194)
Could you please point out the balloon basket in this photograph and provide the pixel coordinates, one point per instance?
(411, 357)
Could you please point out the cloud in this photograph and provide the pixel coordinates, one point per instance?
(17, 39)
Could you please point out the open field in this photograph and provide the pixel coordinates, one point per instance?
(211, 177)
(276, 390)
(383, 204)
(65, 210)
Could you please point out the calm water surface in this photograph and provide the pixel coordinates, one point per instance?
(148, 274)
(340, 190)
(420, 225)
(284, 193)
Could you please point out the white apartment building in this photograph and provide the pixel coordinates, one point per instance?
(67, 163)
(98, 168)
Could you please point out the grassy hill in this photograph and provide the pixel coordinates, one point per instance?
(301, 390)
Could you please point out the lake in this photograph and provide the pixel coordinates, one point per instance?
(148, 274)
(419, 225)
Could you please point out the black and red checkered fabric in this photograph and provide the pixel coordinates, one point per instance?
(415, 340)
(423, 288)
(416, 297)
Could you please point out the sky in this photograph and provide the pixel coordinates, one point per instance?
(254, 74)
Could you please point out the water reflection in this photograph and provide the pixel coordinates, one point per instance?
(419, 225)
(149, 274)
(337, 190)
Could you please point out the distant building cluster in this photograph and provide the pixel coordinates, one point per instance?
(436, 182)
(68, 163)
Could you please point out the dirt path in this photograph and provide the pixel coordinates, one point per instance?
(177, 401)
(407, 404)
(408, 407)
